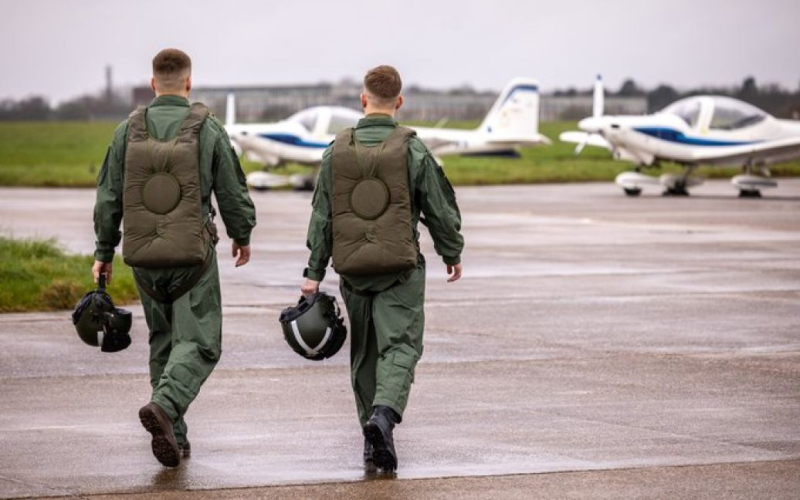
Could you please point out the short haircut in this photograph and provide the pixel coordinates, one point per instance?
(383, 83)
(171, 67)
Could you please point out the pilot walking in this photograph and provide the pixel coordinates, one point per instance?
(159, 172)
(377, 182)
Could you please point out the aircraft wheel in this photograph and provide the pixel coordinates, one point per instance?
(632, 191)
(676, 191)
(260, 189)
(307, 185)
(749, 193)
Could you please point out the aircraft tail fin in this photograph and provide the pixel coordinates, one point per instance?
(515, 113)
(230, 109)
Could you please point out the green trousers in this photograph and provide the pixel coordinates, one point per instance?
(385, 341)
(185, 339)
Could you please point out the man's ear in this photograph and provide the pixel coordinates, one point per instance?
(363, 100)
(153, 84)
(188, 84)
(399, 103)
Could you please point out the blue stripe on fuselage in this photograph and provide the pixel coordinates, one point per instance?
(671, 135)
(294, 140)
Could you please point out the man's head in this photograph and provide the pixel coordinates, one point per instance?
(172, 73)
(382, 86)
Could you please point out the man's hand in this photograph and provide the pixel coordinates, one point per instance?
(242, 252)
(309, 287)
(455, 271)
(99, 268)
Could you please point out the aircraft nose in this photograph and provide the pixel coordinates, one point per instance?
(592, 125)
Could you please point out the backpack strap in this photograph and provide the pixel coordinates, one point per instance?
(198, 112)
(137, 125)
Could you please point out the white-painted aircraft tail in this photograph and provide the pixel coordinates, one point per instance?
(515, 113)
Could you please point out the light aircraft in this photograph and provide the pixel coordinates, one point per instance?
(699, 130)
(511, 123)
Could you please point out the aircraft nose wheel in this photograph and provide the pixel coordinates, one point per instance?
(632, 191)
(749, 193)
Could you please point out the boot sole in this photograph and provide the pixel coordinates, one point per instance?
(162, 448)
(382, 457)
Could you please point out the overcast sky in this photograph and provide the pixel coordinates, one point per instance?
(60, 48)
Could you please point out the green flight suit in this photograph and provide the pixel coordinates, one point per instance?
(387, 312)
(186, 335)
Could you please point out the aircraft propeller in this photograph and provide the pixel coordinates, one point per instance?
(598, 97)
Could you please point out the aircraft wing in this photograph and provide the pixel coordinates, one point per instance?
(273, 152)
(576, 137)
(766, 152)
(500, 140)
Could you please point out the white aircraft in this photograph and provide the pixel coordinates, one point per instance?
(700, 130)
(511, 123)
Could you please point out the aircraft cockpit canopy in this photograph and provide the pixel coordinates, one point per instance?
(342, 118)
(307, 118)
(326, 120)
(686, 109)
(732, 114)
(727, 113)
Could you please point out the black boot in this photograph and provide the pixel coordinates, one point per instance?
(378, 432)
(369, 460)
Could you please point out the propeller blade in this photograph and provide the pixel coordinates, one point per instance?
(598, 97)
(581, 145)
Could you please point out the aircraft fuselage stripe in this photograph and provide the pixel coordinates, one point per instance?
(676, 136)
(294, 140)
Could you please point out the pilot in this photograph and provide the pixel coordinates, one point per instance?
(164, 162)
(377, 182)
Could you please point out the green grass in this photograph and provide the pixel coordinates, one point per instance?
(52, 153)
(71, 153)
(38, 275)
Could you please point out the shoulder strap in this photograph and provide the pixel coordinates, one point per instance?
(345, 137)
(405, 132)
(198, 112)
(137, 125)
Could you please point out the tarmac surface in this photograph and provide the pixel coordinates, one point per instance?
(598, 346)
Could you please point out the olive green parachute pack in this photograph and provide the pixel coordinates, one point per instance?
(371, 206)
(162, 202)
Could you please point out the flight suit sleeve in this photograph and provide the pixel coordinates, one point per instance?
(320, 236)
(108, 204)
(440, 211)
(230, 189)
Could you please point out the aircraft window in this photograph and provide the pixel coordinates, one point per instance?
(686, 109)
(340, 122)
(731, 114)
(307, 118)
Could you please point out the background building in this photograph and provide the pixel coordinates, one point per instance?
(270, 103)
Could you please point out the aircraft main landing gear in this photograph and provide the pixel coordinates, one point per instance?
(749, 193)
(676, 190)
(633, 191)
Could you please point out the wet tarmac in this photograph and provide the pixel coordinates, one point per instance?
(597, 346)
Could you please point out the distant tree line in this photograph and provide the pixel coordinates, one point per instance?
(772, 98)
(83, 108)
